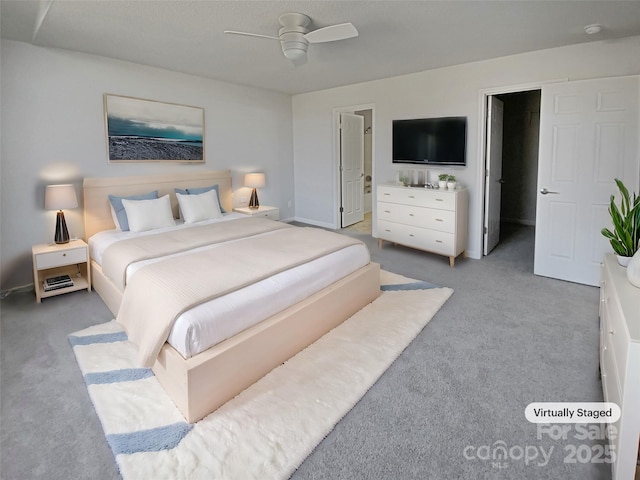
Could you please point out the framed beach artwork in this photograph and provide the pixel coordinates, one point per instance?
(141, 130)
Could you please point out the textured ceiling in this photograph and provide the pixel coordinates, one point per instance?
(396, 37)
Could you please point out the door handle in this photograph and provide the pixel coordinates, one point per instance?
(544, 191)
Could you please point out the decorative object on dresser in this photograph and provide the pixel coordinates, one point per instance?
(442, 180)
(58, 197)
(633, 270)
(451, 182)
(253, 181)
(262, 211)
(619, 360)
(625, 236)
(59, 269)
(430, 220)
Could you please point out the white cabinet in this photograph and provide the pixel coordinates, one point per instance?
(430, 220)
(620, 361)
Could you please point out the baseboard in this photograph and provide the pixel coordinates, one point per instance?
(315, 223)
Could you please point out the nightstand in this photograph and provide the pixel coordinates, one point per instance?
(263, 211)
(51, 260)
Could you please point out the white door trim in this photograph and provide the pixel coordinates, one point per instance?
(481, 142)
(336, 156)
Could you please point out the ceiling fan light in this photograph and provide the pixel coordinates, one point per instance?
(294, 53)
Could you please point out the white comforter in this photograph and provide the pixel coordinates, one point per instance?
(214, 321)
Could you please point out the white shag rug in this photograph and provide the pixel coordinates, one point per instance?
(268, 430)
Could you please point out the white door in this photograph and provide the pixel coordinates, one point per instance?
(352, 168)
(588, 137)
(493, 174)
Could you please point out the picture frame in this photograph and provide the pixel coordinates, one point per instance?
(144, 131)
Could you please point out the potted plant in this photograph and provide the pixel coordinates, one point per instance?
(451, 182)
(442, 180)
(625, 236)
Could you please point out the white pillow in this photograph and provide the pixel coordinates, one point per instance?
(146, 215)
(196, 208)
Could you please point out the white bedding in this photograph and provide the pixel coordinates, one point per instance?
(207, 324)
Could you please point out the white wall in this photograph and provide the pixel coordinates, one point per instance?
(451, 91)
(53, 132)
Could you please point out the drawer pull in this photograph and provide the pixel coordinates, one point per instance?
(439, 200)
(411, 234)
(387, 194)
(387, 230)
(411, 196)
(438, 241)
(439, 220)
(387, 211)
(64, 254)
(411, 214)
(612, 332)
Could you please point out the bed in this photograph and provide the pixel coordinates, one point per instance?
(203, 378)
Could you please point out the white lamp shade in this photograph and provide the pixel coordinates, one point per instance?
(254, 180)
(59, 197)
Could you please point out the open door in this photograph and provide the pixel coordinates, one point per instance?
(351, 168)
(493, 174)
(588, 137)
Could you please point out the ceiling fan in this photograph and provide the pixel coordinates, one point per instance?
(295, 37)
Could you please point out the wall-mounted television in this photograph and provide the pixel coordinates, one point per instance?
(430, 141)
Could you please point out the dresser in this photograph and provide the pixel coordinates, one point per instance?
(620, 361)
(432, 220)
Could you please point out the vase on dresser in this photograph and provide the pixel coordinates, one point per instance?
(623, 261)
(633, 270)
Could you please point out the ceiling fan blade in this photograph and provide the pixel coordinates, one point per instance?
(247, 34)
(332, 33)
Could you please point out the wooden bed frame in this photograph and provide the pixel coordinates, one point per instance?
(204, 382)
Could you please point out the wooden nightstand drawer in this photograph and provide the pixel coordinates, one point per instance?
(65, 257)
(272, 213)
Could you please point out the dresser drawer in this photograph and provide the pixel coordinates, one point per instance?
(57, 259)
(609, 375)
(615, 330)
(418, 197)
(422, 238)
(441, 220)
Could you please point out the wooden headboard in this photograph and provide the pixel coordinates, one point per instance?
(96, 191)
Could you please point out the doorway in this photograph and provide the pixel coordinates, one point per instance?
(511, 169)
(365, 193)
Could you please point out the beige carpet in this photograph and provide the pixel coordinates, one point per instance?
(268, 430)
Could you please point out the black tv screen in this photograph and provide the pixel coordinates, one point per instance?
(427, 141)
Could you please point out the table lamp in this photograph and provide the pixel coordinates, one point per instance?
(57, 197)
(254, 180)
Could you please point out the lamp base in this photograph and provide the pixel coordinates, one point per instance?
(253, 201)
(62, 234)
